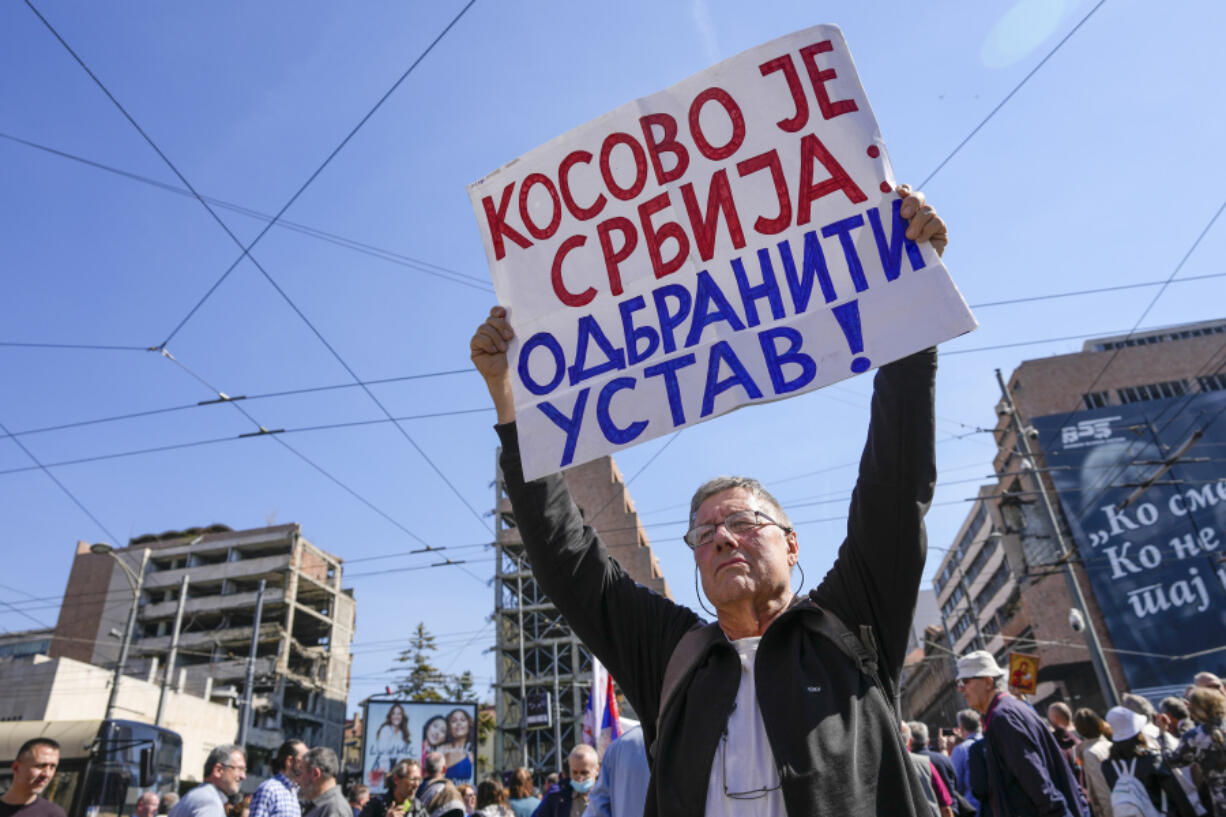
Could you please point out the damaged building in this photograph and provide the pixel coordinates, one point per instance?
(306, 627)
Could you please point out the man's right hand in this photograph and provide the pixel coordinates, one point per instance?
(488, 350)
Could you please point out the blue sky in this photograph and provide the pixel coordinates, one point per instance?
(1092, 175)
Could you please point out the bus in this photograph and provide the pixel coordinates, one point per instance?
(105, 765)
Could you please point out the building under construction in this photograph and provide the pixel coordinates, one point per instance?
(538, 656)
(301, 667)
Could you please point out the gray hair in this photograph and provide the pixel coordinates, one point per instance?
(220, 755)
(919, 733)
(168, 801)
(1139, 704)
(720, 484)
(583, 750)
(1061, 709)
(968, 719)
(323, 759)
(435, 764)
(905, 731)
(401, 769)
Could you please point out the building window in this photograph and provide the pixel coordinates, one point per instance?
(1212, 382)
(997, 581)
(961, 625)
(981, 558)
(1153, 391)
(1095, 399)
(1160, 337)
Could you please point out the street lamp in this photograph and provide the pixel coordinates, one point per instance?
(136, 581)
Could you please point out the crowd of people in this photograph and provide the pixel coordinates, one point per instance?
(1004, 759)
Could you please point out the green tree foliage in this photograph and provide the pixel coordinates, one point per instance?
(424, 681)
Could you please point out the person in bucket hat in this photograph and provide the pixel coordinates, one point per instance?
(1028, 775)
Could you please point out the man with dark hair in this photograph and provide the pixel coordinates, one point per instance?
(278, 795)
(398, 801)
(940, 763)
(319, 770)
(225, 769)
(359, 795)
(1173, 718)
(34, 768)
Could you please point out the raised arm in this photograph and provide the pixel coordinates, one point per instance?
(630, 629)
(875, 580)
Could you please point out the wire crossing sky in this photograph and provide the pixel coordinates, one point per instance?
(329, 150)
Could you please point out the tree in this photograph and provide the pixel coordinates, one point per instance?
(423, 681)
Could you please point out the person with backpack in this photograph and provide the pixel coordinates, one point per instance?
(1141, 783)
(787, 703)
(1205, 745)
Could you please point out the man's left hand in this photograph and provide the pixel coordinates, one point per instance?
(923, 223)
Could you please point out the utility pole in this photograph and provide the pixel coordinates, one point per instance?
(557, 718)
(1105, 681)
(174, 650)
(136, 581)
(244, 725)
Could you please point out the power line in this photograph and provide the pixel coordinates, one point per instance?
(247, 249)
(1009, 95)
(61, 486)
(91, 346)
(426, 267)
(1097, 290)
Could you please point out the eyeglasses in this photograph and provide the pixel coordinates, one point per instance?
(737, 524)
(751, 794)
(962, 682)
(234, 766)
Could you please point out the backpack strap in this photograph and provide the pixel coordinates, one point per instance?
(863, 650)
(681, 664)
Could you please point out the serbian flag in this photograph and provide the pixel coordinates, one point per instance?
(601, 725)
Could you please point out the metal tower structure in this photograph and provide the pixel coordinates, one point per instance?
(537, 654)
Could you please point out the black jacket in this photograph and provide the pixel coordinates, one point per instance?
(1028, 775)
(833, 733)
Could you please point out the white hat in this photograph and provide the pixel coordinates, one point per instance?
(978, 664)
(1124, 723)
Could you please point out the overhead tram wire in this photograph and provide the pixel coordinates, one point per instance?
(1010, 95)
(1116, 352)
(426, 267)
(90, 346)
(196, 194)
(247, 249)
(266, 395)
(62, 486)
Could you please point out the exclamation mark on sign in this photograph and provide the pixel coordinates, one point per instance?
(848, 316)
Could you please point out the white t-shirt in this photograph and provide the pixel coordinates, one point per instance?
(743, 759)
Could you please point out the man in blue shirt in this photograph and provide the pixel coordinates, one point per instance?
(968, 730)
(621, 786)
(278, 795)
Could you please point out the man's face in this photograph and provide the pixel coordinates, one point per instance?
(583, 767)
(294, 766)
(231, 774)
(147, 805)
(308, 782)
(406, 786)
(754, 565)
(978, 692)
(36, 768)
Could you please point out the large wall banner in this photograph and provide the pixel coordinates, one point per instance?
(1155, 562)
(732, 240)
(395, 730)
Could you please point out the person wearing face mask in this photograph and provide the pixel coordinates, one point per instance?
(570, 798)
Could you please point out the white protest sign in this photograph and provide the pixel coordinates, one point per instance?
(731, 240)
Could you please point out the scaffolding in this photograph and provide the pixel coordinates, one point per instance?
(537, 653)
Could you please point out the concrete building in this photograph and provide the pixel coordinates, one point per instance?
(24, 644)
(1003, 584)
(38, 688)
(302, 658)
(536, 650)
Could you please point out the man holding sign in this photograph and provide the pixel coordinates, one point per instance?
(734, 239)
(784, 706)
